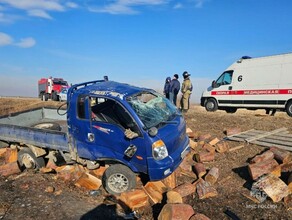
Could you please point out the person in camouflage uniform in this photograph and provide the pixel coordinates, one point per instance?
(186, 90)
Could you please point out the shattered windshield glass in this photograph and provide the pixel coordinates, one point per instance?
(152, 109)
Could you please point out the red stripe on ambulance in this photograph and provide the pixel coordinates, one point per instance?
(253, 92)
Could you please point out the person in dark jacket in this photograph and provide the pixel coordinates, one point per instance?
(174, 89)
(166, 89)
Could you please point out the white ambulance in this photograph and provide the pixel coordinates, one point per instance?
(253, 83)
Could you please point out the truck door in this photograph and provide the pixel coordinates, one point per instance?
(102, 123)
(223, 89)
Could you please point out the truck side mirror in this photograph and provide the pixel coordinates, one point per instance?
(130, 151)
(213, 85)
(153, 131)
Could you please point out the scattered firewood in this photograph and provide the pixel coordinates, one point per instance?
(212, 175)
(286, 167)
(267, 155)
(176, 212)
(2, 151)
(276, 171)
(236, 148)
(98, 172)
(209, 147)
(134, 199)
(249, 196)
(188, 173)
(281, 155)
(205, 189)
(288, 202)
(186, 164)
(155, 190)
(204, 156)
(170, 181)
(193, 144)
(11, 155)
(88, 181)
(200, 169)
(185, 189)
(46, 170)
(9, 169)
(204, 137)
(173, 197)
(273, 186)
(222, 147)
(258, 169)
(214, 141)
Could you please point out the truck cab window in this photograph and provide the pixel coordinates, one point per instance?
(224, 79)
(81, 107)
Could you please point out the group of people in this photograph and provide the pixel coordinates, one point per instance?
(172, 88)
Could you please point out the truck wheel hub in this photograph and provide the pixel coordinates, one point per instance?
(118, 183)
(28, 161)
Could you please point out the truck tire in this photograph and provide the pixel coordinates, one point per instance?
(118, 178)
(45, 97)
(211, 105)
(28, 160)
(48, 125)
(289, 108)
(55, 96)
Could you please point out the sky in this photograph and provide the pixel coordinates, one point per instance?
(140, 42)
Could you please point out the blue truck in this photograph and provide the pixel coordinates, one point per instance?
(133, 130)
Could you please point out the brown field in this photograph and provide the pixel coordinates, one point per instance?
(23, 196)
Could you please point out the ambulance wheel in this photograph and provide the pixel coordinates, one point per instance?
(211, 105)
(45, 97)
(231, 110)
(118, 178)
(28, 160)
(289, 108)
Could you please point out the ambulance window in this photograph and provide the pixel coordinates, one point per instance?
(225, 78)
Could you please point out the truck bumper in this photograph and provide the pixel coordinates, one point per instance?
(158, 170)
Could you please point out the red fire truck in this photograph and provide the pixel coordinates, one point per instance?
(49, 88)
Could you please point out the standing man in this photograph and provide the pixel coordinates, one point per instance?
(166, 89)
(186, 90)
(174, 89)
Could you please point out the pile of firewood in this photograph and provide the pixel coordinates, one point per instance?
(271, 172)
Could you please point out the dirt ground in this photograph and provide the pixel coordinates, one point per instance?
(24, 196)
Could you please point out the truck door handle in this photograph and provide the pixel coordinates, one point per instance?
(230, 87)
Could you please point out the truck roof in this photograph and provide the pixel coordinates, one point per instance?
(109, 88)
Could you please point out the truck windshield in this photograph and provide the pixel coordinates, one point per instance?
(59, 82)
(152, 109)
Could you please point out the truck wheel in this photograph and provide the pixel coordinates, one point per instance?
(28, 160)
(231, 110)
(48, 125)
(211, 105)
(289, 108)
(118, 178)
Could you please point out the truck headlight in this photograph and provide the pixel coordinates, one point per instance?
(159, 150)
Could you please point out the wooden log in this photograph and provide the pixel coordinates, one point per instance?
(173, 197)
(193, 144)
(232, 131)
(204, 156)
(155, 191)
(9, 169)
(222, 147)
(273, 186)
(236, 148)
(286, 167)
(212, 176)
(258, 169)
(288, 202)
(214, 141)
(267, 155)
(11, 155)
(209, 147)
(276, 171)
(2, 151)
(204, 137)
(170, 181)
(185, 189)
(205, 189)
(88, 181)
(99, 171)
(281, 155)
(200, 169)
(134, 199)
(176, 212)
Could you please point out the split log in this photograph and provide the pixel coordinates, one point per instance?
(155, 190)
(9, 169)
(273, 186)
(212, 175)
(170, 181)
(205, 189)
(268, 155)
(2, 151)
(99, 171)
(286, 167)
(281, 155)
(176, 212)
(200, 169)
(173, 197)
(222, 147)
(214, 141)
(232, 131)
(88, 181)
(185, 189)
(276, 171)
(11, 155)
(204, 156)
(204, 137)
(236, 148)
(193, 144)
(258, 169)
(209, 147)
(134, 199)
(288, 202)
